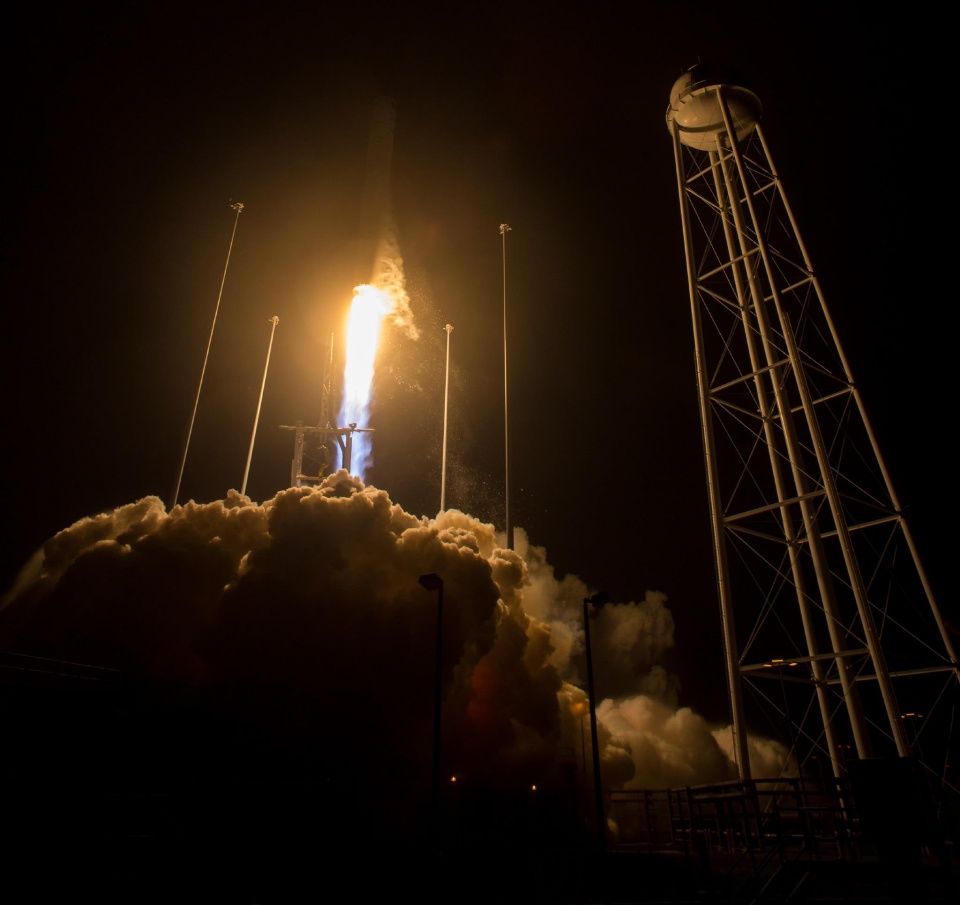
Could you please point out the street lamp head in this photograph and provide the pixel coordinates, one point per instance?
(431, 581)
(448, 328)
(599, 599)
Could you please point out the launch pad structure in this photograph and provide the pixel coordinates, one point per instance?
(342, 436)
(830, 625)
(323, 435)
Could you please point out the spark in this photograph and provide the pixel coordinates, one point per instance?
(370, 306)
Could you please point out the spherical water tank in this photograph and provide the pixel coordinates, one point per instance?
(695, 108)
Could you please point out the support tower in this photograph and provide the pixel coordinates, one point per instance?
(830, 626)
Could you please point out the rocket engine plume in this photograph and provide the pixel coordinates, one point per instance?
(384, 297)
(370, 306)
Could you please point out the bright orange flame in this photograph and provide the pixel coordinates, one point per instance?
(370, 306)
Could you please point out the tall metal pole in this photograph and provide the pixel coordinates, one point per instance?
(446, 402)
(598, 600)
(504, 229)
(238, 207)
(256, 420)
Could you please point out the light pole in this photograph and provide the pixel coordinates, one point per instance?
(433, 582)
(256, 420)
(578, 709)
(446, 403)
(597, 601)
(504, 229)
(238, 207)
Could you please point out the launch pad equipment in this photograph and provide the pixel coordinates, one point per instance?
(342, 436)
(324, 435)
(829, 622)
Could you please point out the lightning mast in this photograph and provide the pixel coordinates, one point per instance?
(256, 419)
(236, 206)
(504, 229)
(446, 405)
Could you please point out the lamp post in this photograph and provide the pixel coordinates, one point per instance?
(446, 401)
(596, 601)
(433, 582)
(578, 710)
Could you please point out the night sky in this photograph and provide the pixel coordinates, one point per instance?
(129, 133)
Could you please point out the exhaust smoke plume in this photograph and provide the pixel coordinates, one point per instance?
(314, 596)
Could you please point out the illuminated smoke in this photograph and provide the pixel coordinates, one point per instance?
(647, 740)
(315, 594)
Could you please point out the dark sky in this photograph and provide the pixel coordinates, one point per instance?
(128, 133)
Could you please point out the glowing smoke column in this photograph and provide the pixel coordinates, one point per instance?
(370, 306)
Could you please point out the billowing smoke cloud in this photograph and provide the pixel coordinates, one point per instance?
(633, 637)
(388, 276)
(387, 272)
(313, 597)
(647, 741)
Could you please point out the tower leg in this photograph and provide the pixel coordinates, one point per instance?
(829, 485)
(791, 444)
(861, 409)
(740, 748)
(770, 437)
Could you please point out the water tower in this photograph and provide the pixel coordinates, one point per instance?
(830, 626)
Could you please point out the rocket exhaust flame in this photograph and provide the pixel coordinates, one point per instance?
(385, 296)
(370, 306)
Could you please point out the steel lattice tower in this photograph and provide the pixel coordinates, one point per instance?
(830, 626)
